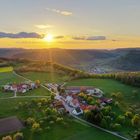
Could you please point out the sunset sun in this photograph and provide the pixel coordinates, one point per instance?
(48, 38)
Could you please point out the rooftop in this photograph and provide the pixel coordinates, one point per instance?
(11, 124)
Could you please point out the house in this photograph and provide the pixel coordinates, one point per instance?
(77, 111)
(74, 103)
(20, 88)
(10, 125)
(93, 107)
(73, 89)
(88, 89)
(68, 99)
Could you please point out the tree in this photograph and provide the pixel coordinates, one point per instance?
(129, 114)
(89, 99)
(30, 121)
(7, 138)
(120, 119)
(136, 120)
(104, 123)
(116, 126)
(106, 110)
(136, 135)
(18, 136)
(59, 119)
(36, 127)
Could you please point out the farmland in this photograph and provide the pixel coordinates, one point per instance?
(6, 69)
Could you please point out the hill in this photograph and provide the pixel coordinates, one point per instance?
(93, 61)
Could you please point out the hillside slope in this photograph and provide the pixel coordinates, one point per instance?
(88, 60)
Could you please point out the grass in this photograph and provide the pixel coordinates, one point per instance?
(6, 69)
(46, 77)
(109, 86)
(9, 77)
(73, 130)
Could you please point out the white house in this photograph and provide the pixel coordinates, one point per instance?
(77, 111)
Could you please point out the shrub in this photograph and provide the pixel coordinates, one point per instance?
(51, 122)
(136, 120)
(89, 99)
(104, 123)
(7, 138)
(36, 127)
(136, 135)
(129, 114)
(30, 121)
(116, 126)
(18, 136)
(59, 119)
(120, 119)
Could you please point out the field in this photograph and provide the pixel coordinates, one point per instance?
(74, 130)
(109, 86)
(46, 77)
(10, 77)
(6, 69)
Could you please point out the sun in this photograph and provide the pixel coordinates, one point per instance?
(48, 38)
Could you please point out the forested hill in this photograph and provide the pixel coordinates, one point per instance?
(88, 60)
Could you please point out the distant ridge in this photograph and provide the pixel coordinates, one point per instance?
(125, 59)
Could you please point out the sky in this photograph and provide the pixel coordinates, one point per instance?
(83, 24)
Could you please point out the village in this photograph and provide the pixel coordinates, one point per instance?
(77, 99)
(73, 99)
(88, 104)
(20, 88)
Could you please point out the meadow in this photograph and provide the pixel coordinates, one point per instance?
(46, 77)
(6, 69)
(74, 129)
(109, 86)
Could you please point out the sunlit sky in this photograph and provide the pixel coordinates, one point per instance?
(73, 23)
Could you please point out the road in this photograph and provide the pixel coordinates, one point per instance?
(68, 108)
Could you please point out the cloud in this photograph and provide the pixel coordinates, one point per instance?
(59, 37)
(79, 38)
(41, 26)
(89, 38)
(64, 13)
(96, 38)
(20, 35)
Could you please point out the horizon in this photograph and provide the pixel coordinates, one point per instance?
(111, 49)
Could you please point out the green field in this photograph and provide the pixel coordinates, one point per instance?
(109, 86)
(73, 131)
(46, 77)
(10, 78)
(6, 69)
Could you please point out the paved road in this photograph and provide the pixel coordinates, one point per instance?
(13, 97)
